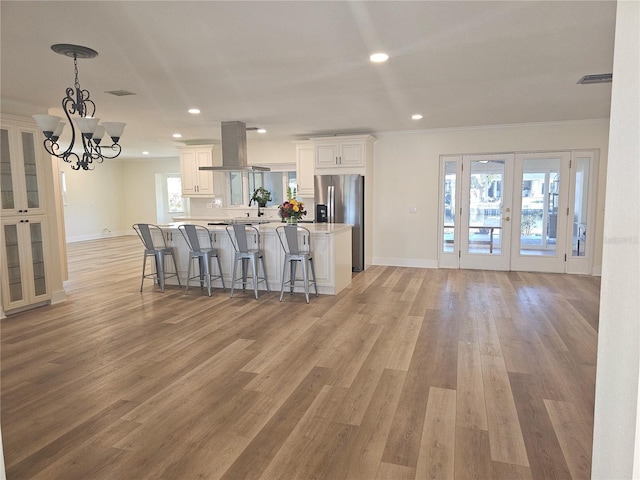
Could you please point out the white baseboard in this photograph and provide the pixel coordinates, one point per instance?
(58, 296)
(404, 262)
(96, 236)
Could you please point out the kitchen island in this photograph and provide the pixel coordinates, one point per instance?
(330, 243)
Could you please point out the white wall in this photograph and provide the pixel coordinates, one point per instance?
(139, 185)
(112, 197)
(616, 445)
(94, 200)
(406, 174)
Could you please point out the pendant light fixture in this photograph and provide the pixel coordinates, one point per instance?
(78, 102)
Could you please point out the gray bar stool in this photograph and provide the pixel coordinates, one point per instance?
(294, 255)
(192, 235)
(155, 245)
(247, 250)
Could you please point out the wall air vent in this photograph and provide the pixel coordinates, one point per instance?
(599, 78)
(120, 93)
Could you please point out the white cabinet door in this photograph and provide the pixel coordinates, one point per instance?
(322, 262)
(196, 182)
(327, 155)
(343, 152)
(20, 171)
(24, 269)
(352, 154)
(305, 160)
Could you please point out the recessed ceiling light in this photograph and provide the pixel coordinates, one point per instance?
(145, 153)
(379, 57)
(177, 135)
(194, 111)
(416, 116)
(261, 130)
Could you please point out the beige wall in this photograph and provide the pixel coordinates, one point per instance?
(118, 194)
(406, 174)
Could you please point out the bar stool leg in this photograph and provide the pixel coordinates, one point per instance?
(220, 270)
(207, 271)
(144, 266)
(233, 276)
(160, 269)
(284, 273)
(175, 266)
(264, 272)
(313, 275)
(292, 279)
(305, 280)
(186, 291)
(254, 267)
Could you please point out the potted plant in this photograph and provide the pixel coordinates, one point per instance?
(261, 196)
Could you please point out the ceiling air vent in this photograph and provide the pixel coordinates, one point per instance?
(599, 78)
(120, 93)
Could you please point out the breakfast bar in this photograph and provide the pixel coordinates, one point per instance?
(330, 244)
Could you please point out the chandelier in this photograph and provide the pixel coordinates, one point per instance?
(78, 102)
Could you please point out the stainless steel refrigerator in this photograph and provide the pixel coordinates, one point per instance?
(343, 197)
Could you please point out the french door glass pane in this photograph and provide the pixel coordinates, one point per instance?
(579, 241)
(449, 190)
(539, 217)
(485, 206)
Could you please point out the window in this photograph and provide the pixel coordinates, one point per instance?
(275, 182)
(174, 194)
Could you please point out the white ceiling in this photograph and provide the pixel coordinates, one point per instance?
(301, 69)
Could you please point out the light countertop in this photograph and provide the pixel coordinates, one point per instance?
(317, 228)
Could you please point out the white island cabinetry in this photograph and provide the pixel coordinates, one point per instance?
(331, 244)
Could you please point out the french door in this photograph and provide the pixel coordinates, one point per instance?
(486, 211)
(524, 211)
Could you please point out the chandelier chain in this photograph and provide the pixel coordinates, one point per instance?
(75, 69)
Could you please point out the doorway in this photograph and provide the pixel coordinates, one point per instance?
(518, 211)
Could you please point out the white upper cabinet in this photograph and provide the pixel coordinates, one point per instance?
(343, 152)
(196, 182)
(305, 161)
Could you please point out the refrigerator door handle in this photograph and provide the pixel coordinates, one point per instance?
(331, 207)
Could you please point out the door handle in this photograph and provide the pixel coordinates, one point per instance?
(507, 218)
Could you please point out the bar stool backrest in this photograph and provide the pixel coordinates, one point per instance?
(151, 236)
(291, 238)
(190, 234)
(241, 243)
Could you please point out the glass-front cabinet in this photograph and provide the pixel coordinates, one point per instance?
(23, 235)
(24, 278)
(20, 172)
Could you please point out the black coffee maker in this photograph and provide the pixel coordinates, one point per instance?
(321, 213)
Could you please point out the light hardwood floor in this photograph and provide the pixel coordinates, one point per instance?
(409, 373)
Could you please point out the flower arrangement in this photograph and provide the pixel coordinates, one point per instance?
(292, 210)
(261, 196)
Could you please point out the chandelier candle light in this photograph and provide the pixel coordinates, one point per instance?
(78, 101)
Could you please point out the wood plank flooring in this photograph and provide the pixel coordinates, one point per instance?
(408, 373)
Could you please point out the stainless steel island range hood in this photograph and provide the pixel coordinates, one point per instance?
(234, 149)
